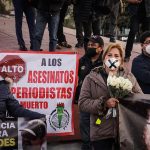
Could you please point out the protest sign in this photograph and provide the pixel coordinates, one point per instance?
(44, 82)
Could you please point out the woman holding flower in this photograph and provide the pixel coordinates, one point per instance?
(97, 98)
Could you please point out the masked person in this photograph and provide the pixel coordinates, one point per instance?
(95, 98)
(141, 64)
(92, 59)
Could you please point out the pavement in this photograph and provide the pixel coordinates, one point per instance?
(8, 42)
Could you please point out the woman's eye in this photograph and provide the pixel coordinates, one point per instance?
(109, 55)
(116, 56)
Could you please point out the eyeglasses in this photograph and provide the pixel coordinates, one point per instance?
(147, 42)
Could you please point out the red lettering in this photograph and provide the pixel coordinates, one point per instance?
(34, 104)
(69, 92)
(71, 77)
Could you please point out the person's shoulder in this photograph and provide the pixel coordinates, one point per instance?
(97, 69)
(84, 59)
(138, 58)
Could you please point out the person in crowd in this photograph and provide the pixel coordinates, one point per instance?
(84, 15)
(95, 98)
(10, 104)
(141, 64)
(48, 11)
(78, 25)
(95, 24)
(113, 17)
(92, 59)
(20, 7)
(62, 42)
(140, 15)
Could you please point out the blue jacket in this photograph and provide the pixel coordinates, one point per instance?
(10, 104)
(141, 70)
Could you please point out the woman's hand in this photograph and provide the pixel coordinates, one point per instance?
(111, 102)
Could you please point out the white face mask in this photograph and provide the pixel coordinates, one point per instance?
(112, 63)
(147, 49)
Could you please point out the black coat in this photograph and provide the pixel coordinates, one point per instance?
(85, 66)
(51, 6)
(85, 9)
(141, 70)
(136, 9)
(10, 104)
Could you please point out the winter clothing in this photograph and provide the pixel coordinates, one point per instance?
(10, 104)
(94, 94)
(85, 9)
(51, 6)
(140, 14)
(141, 70)
(134, 8)
(48, 11)
(85, 66)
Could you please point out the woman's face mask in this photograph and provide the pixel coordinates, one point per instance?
(112, 63)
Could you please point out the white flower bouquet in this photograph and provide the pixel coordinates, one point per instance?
(119, 87)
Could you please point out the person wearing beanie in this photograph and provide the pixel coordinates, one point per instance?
(91, 59)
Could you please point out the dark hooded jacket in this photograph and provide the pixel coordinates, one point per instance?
(10, 104)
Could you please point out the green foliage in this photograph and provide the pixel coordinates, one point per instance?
(69, 20)
(2, 7)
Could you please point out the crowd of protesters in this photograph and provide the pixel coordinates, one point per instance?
(86, 15)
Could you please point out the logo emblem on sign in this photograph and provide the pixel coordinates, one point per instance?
(12, 66)
(59, 118)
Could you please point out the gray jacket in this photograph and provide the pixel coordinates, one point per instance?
(94, 94)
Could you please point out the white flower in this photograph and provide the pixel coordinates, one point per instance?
(123, 86)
